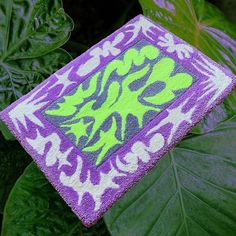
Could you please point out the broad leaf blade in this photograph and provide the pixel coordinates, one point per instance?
(35, 208)
(6, 132)
(32, 28)
(30, 31)
(191, 192)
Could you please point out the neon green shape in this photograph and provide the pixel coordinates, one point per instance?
(124, 103)
(173, 83)
(101, 143)
(68, 106)
(77, 127)
(131, 57)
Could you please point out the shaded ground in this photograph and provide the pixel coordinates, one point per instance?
(93, 21)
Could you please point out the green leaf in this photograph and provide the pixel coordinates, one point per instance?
(35, 208)
(199, 23)
(191, 192)
(6, 132)
(30, 34)
(13, 160)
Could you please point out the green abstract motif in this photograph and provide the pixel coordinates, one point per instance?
(97, 113)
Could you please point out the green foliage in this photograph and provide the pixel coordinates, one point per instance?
(34, 208)
(29, 45)
(199, 23)
(191, 191)
(5, 132)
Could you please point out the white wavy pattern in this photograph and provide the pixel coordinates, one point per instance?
(139, 152)
(108, 48)
(182, 50)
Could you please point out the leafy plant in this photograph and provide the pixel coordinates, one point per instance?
(30, 35)
(192, 191)
(29, 52)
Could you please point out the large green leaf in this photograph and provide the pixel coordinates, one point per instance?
(191, 192)
(13, 160)
(199, 23)
(30, 34)
(35, 208)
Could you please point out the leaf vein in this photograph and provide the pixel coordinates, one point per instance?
(139, 196)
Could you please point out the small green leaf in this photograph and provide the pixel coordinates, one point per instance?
(13, 160)
(30, 33)
(35, 208)
(6, 132)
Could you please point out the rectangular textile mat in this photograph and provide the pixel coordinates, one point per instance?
(100, 123)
